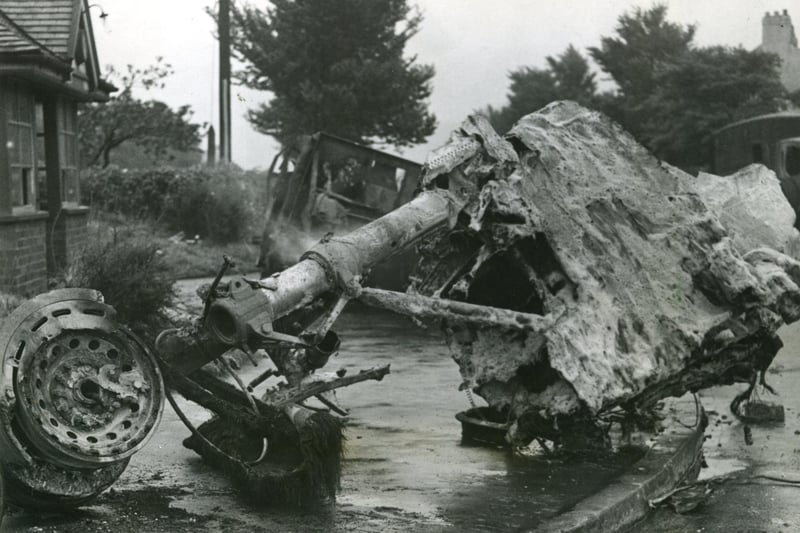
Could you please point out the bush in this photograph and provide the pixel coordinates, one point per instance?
(218, 204)
(133, 278)
(9, 302)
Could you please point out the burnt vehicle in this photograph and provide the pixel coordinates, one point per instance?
(772, 140)
(327, 184)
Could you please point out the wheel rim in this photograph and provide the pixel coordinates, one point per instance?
(84, 391)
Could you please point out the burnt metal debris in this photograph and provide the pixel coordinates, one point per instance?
(577, 278)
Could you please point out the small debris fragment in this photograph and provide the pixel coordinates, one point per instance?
(756, 411)
(685, 499)
(748, 435)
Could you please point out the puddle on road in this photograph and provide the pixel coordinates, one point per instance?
(720, 467)
(405, 468)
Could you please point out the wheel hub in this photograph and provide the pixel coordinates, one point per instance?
(85, 392)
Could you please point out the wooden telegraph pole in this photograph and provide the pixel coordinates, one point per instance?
(224, 25)
(211, 147)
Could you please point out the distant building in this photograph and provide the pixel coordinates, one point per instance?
(48, 64)
(778, 37)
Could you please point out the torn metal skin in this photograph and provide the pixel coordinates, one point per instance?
(647, 295)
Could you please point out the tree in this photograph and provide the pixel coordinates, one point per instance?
(531, 89)
(644, 43)
(567, 77)
(703, 90)
(150, 124)
(672, 95)
(573, 77)
(335, 65)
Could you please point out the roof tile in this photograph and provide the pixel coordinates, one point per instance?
(14, 40)
(47, 21)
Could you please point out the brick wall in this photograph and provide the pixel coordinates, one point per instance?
(23, 256)
(77, 232)
(70, 235)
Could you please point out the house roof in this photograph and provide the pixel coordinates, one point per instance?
(57, 33)
(50, 22)
(15, 39)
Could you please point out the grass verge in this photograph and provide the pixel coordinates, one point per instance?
(184, 259)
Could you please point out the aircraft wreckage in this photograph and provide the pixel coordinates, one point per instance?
(576, 278)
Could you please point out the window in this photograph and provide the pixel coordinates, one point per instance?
(758, 153)
(791, 160)
(21, 144)
(68, 146)
(41, 161)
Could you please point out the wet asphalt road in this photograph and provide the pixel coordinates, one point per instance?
(406, 469)
(749, 503)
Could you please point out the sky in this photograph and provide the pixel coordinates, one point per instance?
(473, 45)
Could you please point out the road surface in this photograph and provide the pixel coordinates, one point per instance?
(405, 467)
(750, 502)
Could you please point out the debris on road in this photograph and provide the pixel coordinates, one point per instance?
(759, 412)
(484, 426)
(579, 280)
(647, 293)
(685, 499)
(753, 209)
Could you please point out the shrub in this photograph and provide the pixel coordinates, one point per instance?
(138, 194)
(133, 278)
(218, 203)
(9, 302)
(231, 211)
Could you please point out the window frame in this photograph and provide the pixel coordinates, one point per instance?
(21, 145)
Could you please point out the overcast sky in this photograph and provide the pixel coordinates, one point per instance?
(473, 44)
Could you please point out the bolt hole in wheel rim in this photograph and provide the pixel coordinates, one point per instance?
(83, 391)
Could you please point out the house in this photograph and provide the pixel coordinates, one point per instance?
(48, 64)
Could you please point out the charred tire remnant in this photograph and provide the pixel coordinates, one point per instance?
(288, 456)
(301, 469)
(80, 396)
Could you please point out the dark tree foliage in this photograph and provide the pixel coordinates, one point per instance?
(337, 66)
(572, 75)
(531, 89)
(672, 95)
(150, 124)
(703, 90)
(567, 77)
(644, 42)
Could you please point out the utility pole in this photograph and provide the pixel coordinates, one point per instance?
(211, 147)
(224, 29)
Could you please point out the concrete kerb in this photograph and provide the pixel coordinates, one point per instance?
(675, 458)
